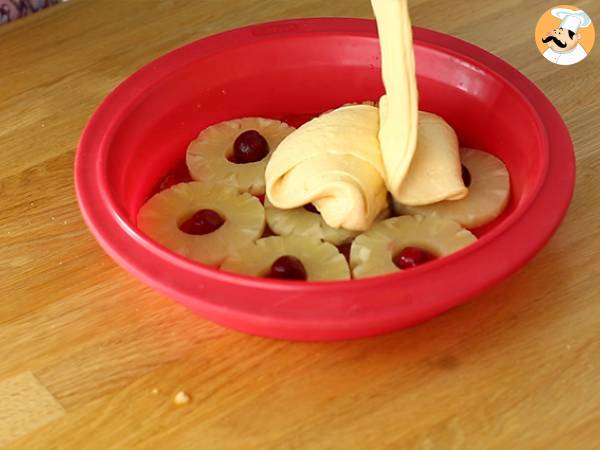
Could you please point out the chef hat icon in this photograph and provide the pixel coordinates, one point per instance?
(572, 19)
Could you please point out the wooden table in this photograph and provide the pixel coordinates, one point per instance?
(91, 358)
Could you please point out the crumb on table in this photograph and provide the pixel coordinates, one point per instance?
(181, 398)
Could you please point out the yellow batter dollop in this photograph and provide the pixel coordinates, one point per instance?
(399, 107)
(435, 172)
(334, 162)
(419, 150)
(344, 160)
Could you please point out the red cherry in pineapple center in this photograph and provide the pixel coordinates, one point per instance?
(250, 146)
(466, 175)
(203, 221)
(412, 257)
(288, 267)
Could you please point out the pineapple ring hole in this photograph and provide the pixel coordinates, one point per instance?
(203, 221)
(287, 267)
(250, 146)
(412, 256)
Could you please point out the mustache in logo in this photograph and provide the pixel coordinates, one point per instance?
(556, 41)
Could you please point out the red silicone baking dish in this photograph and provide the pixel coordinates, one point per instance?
(295, 69)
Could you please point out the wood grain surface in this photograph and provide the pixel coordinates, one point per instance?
(91, 359)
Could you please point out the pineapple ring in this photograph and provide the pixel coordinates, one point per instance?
(207, 155)
(161, 216)
(300, 222)
(488, 193)
(321, 260)
(372, 252)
